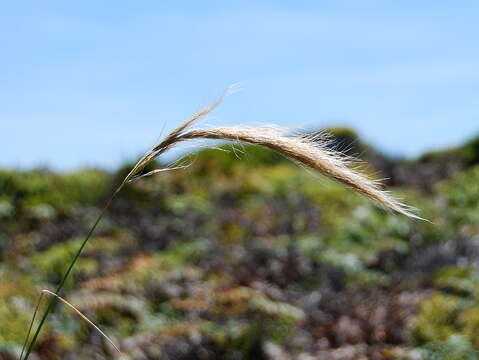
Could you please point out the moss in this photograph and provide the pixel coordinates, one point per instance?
(466, 154)
(456, 347)
(437, 319)
(40, 195)
(53, 262)
(468, 320)
(460, 196)
(461, 280)
(18, 297)
(442, 316)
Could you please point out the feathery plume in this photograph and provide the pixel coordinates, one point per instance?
(311, 151)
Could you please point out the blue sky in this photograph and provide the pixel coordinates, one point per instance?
(93, 83)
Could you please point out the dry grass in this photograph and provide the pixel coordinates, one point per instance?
(310, 151)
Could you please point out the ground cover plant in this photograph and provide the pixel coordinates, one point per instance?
(241, 259)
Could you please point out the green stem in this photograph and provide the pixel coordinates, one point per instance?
(69, 270)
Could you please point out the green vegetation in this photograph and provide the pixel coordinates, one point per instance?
(233, 258)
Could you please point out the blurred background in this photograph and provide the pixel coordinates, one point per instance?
(249, 258)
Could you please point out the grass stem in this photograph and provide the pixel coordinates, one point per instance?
(68, 272)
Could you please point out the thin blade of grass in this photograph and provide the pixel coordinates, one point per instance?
(156, 171)
(149, 156)
(69, 270)
(31, 324)
(82, 316)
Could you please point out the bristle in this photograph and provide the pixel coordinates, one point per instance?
(313, 151)
(82, 316)
(312, 154)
